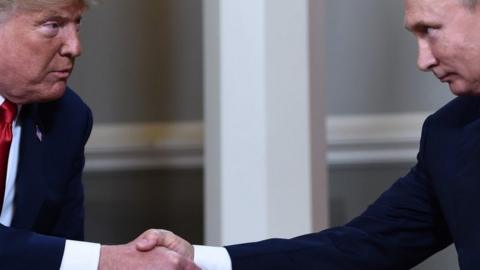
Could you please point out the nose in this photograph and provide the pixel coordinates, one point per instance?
(426, 60)
(72, 46)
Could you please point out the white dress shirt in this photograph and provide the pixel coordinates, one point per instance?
(77, 255)
(212, 258)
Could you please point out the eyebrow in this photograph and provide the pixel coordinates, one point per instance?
(54, 15)
(419, 25)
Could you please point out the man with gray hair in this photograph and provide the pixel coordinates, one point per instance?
(434, 205)
(44, 126)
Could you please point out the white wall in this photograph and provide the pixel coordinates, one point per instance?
(371, 61)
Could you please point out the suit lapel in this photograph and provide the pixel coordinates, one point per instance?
(30, 188)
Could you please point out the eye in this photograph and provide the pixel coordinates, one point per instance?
(51, 28)
(430, 30)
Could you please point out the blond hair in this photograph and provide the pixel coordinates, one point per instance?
(9, 5)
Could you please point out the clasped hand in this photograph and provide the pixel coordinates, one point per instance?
(152, 250)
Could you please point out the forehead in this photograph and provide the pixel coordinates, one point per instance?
(425, 11)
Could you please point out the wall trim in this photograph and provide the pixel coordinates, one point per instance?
(352, 140)
(130, 146)
(374, 139)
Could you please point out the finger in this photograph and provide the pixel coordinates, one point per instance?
(195, 267)
(175, 260)
(147, 242)
(152, 238)
(187, 264)
(191, 266)
(157, 237)
(166, 238)
(175, 243)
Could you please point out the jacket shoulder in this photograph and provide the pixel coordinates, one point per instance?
(69, 108)
(458, 112)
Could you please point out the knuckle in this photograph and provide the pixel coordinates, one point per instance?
(165, 234)
(174, 258)
(164, 231)
(151, 231)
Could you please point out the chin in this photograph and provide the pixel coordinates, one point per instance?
(54, 93)
(40, 94)
(462, 89)
(460, 92)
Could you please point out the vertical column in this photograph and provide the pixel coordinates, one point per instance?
(318, 114)
(264, 165)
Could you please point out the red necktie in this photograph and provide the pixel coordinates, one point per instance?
(8, 111)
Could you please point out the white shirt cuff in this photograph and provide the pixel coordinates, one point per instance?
(212, 258)
(80, 256)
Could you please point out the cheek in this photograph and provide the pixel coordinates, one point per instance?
(33, 57)
(449, 55)
(34, 66)
(20, 61)
(467, 62)
(25, 71)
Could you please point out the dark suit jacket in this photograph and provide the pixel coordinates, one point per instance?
(49, 192)
(435, 204)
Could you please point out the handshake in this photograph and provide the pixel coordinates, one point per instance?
(153, 249)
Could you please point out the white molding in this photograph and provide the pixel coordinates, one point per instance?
(352, 140)
(374, 139)
(130, 146)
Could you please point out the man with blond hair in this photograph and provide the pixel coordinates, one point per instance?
(434, 205)
(44, 126)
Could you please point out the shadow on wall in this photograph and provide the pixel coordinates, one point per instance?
(121, 205)
(142, 61)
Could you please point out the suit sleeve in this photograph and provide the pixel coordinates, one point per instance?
(70, 222)
(35, 249)
(399, 230)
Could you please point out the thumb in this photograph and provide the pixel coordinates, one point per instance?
(147, 242)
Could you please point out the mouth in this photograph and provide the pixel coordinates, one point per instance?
(62, 73)
(447, 77)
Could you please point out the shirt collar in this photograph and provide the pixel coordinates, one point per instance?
(2, 99)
